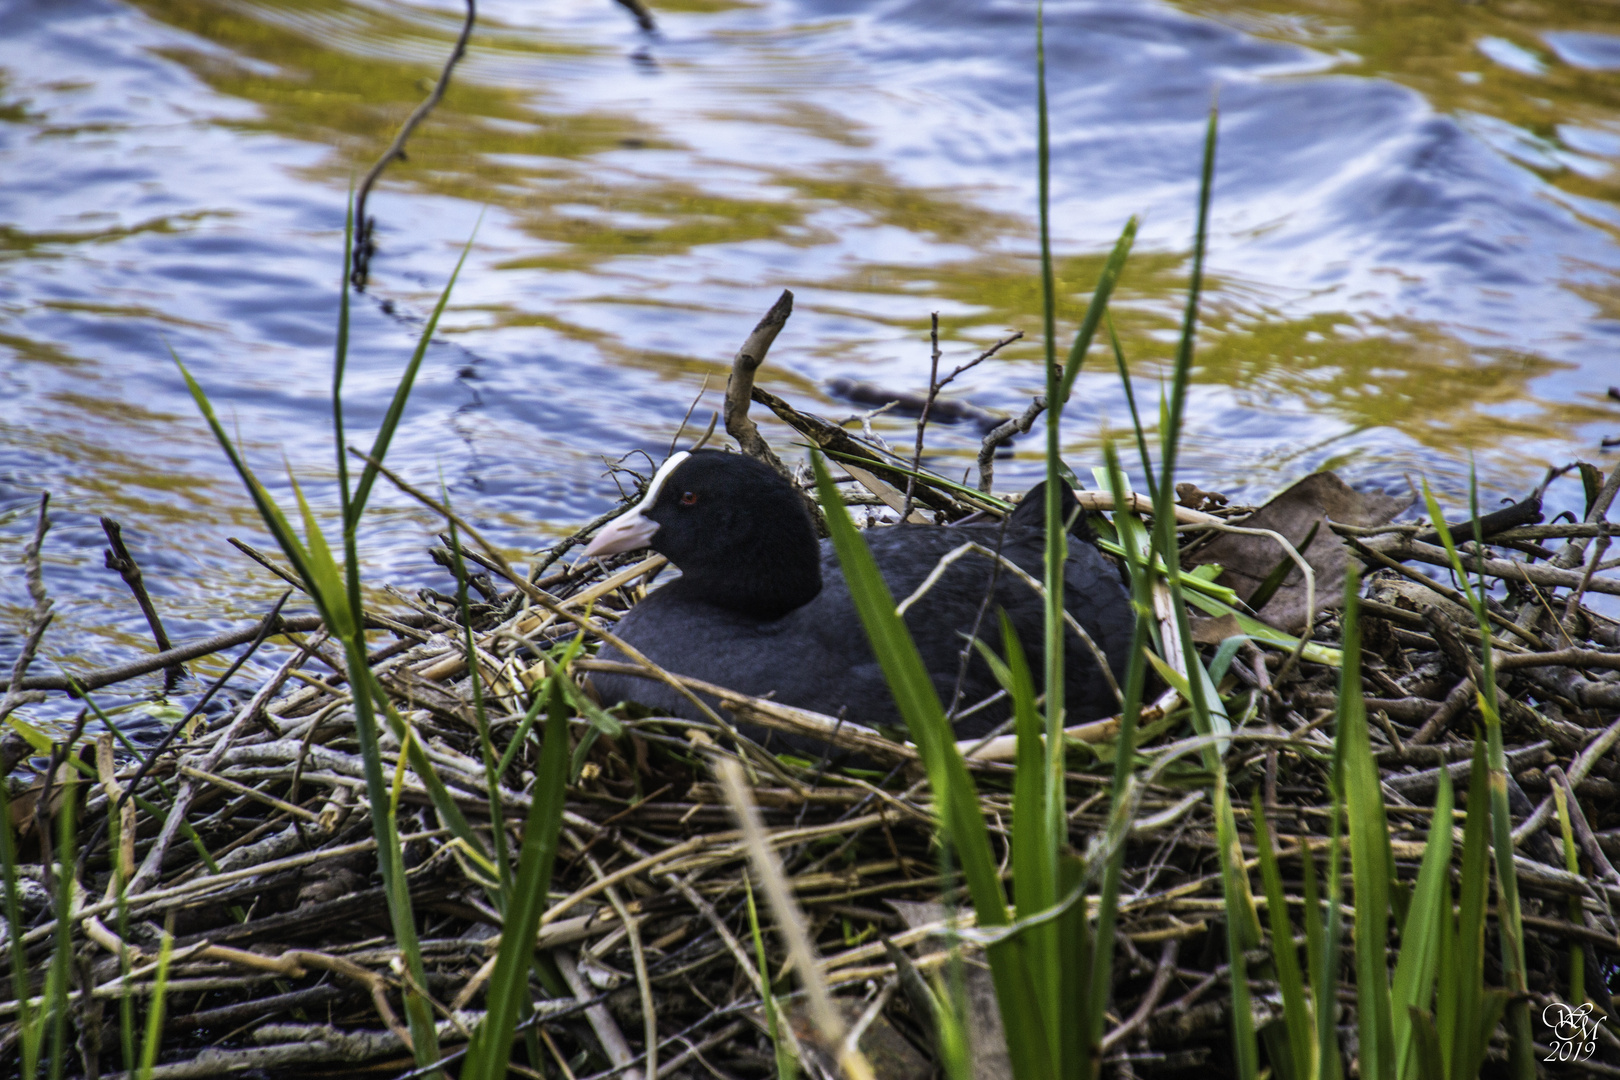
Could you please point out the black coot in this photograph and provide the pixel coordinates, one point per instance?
(762, 607)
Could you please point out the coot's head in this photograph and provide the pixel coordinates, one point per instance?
(739, 532)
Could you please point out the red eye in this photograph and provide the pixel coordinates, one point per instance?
(689, 498)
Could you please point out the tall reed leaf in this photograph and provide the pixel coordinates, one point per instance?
(955, 796)
(1126, 524)
(1296, 1013)
(29, 1029)
(1035, 887)
(508, 986)
(1466, 1011)
(1427, 922)
(1522, 1061)
(154, 1009)
(402, 393)
(1371, 859)
(56, 978)
(787, 1066)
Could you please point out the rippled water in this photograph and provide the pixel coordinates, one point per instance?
(1414, 246)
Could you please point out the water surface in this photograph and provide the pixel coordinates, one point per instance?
(1413, 249)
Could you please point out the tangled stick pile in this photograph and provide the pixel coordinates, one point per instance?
(249, 840)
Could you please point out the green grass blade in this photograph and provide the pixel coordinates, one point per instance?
(269, 512)
(918, 703)
(1428, 1061)
(1098, 986)
(1427, 921)
(1572, 863)
(340, 361)
(1112, 268)
(1456, 1016)
(1136, 419)
(1297, 1019)
(1370, 855)
(1077, 962)
(955, 795)
(325, 578)
(402, 393)
(1171, 432)
(486, 745)
(1242, 928)
(1321, 970)
(1325, 982)
(1034, 850)
(787, 1066)
(56, 998)
(1522, 1063)
(154, 1011)
(28, 1027)
(491, 1046)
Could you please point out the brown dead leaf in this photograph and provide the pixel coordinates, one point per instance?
(1216, 630)
(1315, 500)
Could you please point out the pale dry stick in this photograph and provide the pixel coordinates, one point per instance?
(1570, 554)
(296, 1044)
(1368, 552)
(551, 604)
(292, 963)
(935, 385)
(252, 793)
(106, 769)
(1576, 658)
(175, 986)
(100, 677)
(740, 386)
(38, 619)
(266, 628)
(790, 922)
(607, 1029)
(1529, 573)
(1162, 974)
(363, 247)
(199, 887)
(1592, 567)
(887, 493)
(1004, 433)
(1141, 504)
(922, 417)
(562, 932)
(961, 550)
(880, 1001)
(632, 927)
(677, 436)
(1577, 772)
(687, 1049)
(731, 846)
(866, 419)
(1587, 840)
(152, 865)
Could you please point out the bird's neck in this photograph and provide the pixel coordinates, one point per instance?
(767, 585)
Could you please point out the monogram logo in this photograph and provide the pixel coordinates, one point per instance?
(1573, 1029)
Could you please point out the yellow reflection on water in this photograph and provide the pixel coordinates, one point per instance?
(344, 75)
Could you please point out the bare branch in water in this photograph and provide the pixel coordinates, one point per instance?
(740, 387)
(363, 225)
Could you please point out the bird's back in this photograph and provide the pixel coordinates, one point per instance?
(817, 656)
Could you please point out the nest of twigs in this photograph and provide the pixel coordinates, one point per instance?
(283, 961)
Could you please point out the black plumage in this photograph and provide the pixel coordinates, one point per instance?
(762, 607)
